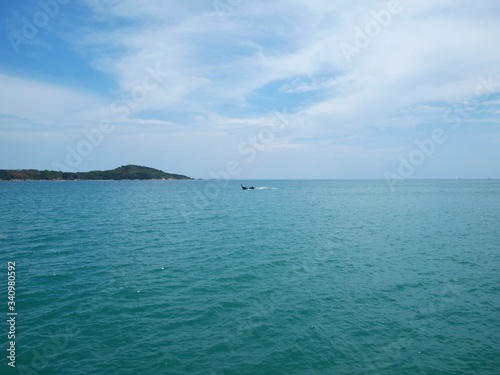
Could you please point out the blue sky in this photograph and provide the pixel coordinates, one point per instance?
(274, 89)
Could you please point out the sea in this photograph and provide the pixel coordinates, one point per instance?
(293, 277)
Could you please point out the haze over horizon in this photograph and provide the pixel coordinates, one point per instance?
(261, 89)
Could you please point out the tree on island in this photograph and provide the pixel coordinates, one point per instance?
(125, 172)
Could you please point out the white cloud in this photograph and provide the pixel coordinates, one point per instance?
(40, 102)
(223, 73)
(424, 54)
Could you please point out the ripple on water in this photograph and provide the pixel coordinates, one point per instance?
(306, 277)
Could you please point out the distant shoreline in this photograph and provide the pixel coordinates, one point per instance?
(123, 173)
(79, 180)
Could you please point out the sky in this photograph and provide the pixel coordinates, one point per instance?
(320, 89)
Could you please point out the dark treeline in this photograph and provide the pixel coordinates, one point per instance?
(126, 172)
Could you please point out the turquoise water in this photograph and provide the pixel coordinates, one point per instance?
(295, 277)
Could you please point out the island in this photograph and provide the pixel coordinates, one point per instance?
(125, 172)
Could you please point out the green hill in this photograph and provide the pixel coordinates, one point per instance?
(125, 172)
